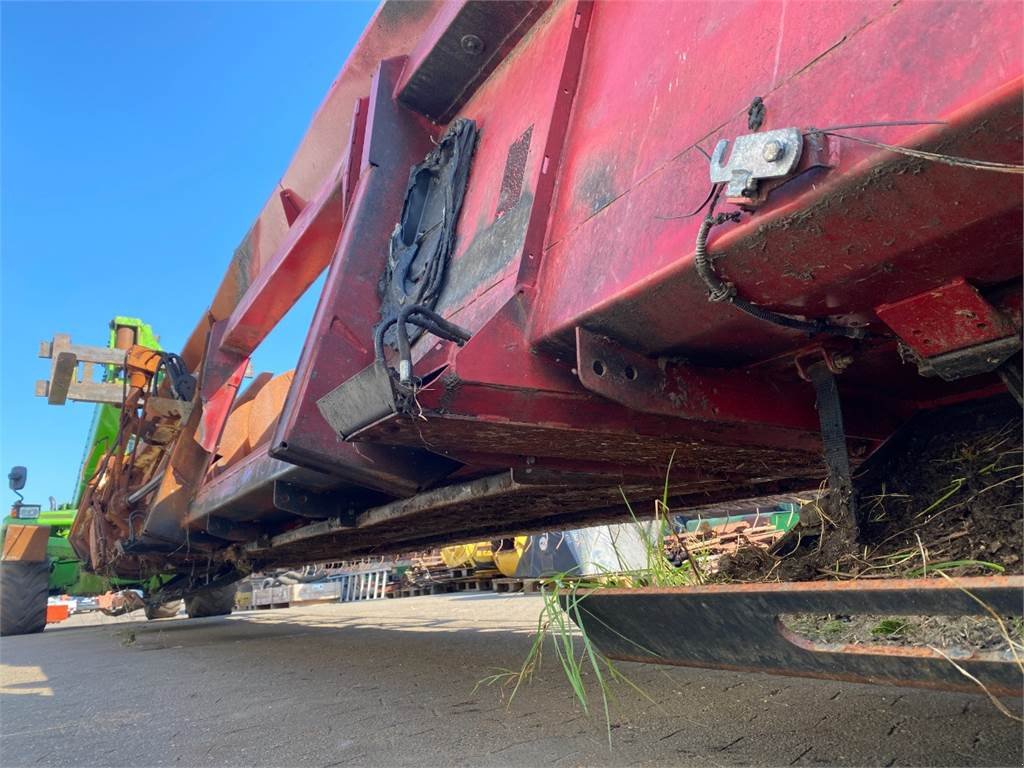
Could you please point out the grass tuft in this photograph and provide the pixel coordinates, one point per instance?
(890, 628)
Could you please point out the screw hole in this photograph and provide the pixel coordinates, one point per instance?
(982, 325)
(631, 373)
(599, 368)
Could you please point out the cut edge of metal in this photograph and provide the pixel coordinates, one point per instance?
(851, 585)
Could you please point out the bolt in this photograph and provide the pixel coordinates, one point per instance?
(472, 45)
(842, 362)
(773, 151)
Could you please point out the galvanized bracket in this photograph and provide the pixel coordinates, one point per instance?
(756, 156)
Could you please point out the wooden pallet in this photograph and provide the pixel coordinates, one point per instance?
(473, 584)
(510, 586)
(469, 583)
(507, 585)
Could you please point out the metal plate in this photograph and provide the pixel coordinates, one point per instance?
(737, 626)
(463, 45)
(359, 401)
(942, 320)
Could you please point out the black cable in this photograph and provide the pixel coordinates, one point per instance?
(883, 124)
(434, 324)
(807, 326)
(378, 338)
(429, 321)
(695, 211)
(720, 290)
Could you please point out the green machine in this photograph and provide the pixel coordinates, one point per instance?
(31, 571)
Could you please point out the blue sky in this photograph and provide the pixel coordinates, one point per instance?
(138, 142)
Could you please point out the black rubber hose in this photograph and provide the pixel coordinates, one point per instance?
(433, 323)
(378, 338)
(429, 321)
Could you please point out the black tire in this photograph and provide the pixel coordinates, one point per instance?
(24, 588)
(211, 602)
(166, 610)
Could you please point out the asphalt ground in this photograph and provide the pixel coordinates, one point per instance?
(393, 682)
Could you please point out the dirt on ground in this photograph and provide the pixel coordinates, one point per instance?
(394, 683)
(944, 500)
(946, 497)
(952, 496)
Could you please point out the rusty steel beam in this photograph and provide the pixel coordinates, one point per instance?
(737, 627)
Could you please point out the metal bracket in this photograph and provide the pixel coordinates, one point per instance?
(833, 359)
(952, 331)
(303, 502)
(833, 434)
(672, 388)
(231, 530)
(364, 399)
(756, 156)
(972, 361)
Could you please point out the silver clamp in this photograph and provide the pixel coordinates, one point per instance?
(767, 155)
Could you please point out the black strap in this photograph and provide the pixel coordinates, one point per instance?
(833, 435)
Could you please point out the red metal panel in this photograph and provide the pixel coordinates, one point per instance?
(572, 224)
(465, 42)
(945, 319)
(499, 398)
(302, 255)
(523, 118)
(831, 245)
(340, 339)
(660, 77)
(515, 100)
(217, 403)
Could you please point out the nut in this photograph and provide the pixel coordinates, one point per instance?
(773, 151)
(842, 362)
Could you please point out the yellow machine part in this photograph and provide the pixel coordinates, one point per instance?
(475, 555)
(506, 558)
(456, 556)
